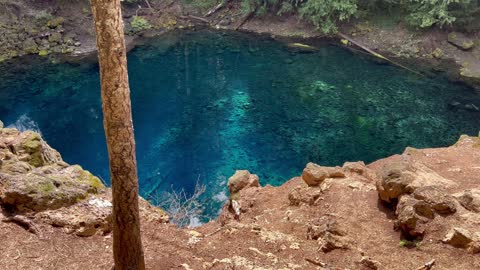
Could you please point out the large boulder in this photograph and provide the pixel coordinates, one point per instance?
(470, 199)
(412, 215)
(39, 190)
(403, 177)
(395, 179)
(240, 180)
(314, 174)
(460, 41)
(462, 238)
(27, 146)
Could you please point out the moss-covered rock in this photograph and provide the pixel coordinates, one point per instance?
(55, 38)
(34, 191)
(55, 22)
(43, 53)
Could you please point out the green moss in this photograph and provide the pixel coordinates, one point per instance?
(56, 22)
(93, 181)
(43, 53)
(33, 146)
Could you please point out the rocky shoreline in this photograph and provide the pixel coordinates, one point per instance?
(68, 30)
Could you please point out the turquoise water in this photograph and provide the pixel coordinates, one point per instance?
(208, 103)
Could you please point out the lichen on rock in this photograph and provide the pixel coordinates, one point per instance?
(33, 176)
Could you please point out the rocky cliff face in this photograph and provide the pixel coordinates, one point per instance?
(417, 210)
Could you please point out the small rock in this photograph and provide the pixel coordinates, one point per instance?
(412, 215)
(55, 37)
(242, 179)
(437, 198)
(314, 174)
(369, 263)
(437, 53)
(1, 124)
(458, 237)
(56, 22)
(329, 234)
(77, 44)
(304, 195)
(470, 199)
(460, 40)
(355, 167)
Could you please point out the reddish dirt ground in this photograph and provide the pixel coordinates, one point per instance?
(272, 232)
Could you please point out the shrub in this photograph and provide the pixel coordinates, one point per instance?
(139, 24)
(325, 14)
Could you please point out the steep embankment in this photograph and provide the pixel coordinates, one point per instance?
(401, 212)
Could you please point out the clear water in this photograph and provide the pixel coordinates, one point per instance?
(208, 103)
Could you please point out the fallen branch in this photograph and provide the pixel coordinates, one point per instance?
(216, 8)
(427, 266)
(148, 4)
(314, 262)
(377, 54)
(24, 222)
(245, 19)
(195, 18)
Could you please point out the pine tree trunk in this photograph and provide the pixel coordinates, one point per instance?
(117, 120)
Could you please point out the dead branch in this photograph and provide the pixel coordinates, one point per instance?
(24, 222)
(195, 18)
(377, 54)
(216, 8)
(427, 266)
(314, 262)
(181, 207)
(245, 19)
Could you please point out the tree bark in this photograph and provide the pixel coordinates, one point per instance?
(117, 121)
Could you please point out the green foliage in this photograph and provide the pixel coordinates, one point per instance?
(139, 24)
(425, 13)
(200, 4)
(325, 13)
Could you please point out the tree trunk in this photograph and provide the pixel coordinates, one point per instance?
(117, 121)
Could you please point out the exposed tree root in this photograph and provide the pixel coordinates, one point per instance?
(25, 222)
